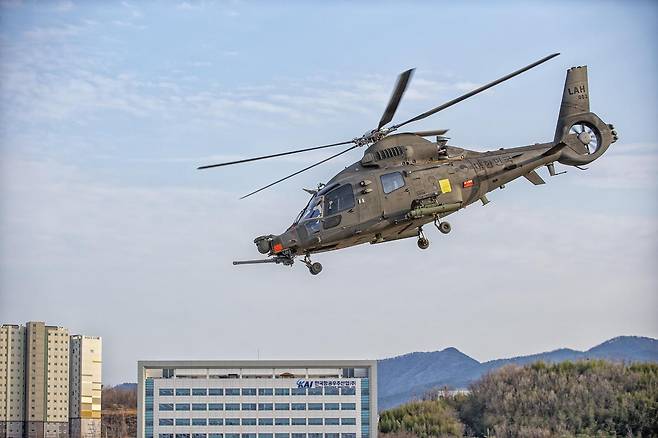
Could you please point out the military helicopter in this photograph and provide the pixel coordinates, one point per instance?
(404, 181)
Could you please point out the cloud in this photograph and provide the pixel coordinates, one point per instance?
(626, 166)
(58, 32)
(64, 6)
(187, 6)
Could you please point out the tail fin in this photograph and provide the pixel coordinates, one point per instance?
(584, 136)
(575, 98)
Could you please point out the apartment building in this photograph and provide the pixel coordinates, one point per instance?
(38, 362)
(85, 386)
(46, 381)
(12, 381)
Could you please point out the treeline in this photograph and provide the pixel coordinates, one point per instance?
(588, 398)
(119, 398)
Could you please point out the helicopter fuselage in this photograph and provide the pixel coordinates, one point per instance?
(405, 181)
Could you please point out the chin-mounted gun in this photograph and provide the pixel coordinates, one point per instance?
(283, 260)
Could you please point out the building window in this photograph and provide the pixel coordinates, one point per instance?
(265, 421)
(166, 422)
(215, 421)
(182, 421)
(298, 421)
(331, 422)
(198, 435)
(248, 391)
(315, 406)
(199, 391)
(282, 406)
(348, 421)
(215, 391)
(215, 407)
(315, 421)
(265, 391)
(332, 435)
(330, 390)
(232, 422)
(232, 391)
(165, 435)
(282, 421)
(299, 391)
(217, 435)
(348, 390)
(298, 435)
(248, 406)
(314, 435)
(182, 391)
(264, 406)
(182, 406)
(232, 435)
(331, 406)
(248, 435)
(348, 406)
(248, 421)
(199, 422)
(232, 406)
(199, 407)
(281, 435)
(315, 391)
(282, 391)
(299, 406)
(166, 407)
(265, 435)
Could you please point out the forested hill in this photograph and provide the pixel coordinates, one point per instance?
(588, 398)
(406, 377)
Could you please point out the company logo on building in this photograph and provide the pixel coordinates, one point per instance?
(302, 383)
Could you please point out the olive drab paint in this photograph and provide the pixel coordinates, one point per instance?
(405, 181)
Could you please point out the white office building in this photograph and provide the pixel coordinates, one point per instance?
(257, 399)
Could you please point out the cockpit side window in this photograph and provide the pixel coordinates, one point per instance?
(339, 199)
(392, 181)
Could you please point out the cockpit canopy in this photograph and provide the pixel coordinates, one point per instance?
(330, 200)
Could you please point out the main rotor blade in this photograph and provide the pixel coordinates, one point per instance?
(430, 133)
(264, 157)
(476, 91)
(394, 101)
(300, 171)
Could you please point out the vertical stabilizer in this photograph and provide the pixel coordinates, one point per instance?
(575, 97)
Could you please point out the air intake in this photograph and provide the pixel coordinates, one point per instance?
(395, 151)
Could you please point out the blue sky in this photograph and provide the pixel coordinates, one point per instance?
(107, 228)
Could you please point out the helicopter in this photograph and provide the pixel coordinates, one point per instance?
(405, 181)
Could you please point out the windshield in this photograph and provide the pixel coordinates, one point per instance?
(313, 209)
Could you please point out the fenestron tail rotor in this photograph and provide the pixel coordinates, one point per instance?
(381, 131)
(588, 135)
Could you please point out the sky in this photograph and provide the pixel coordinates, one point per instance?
(107, 228)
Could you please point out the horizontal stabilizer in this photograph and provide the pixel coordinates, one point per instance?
(534, 178)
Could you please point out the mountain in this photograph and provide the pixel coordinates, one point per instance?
(403, 378)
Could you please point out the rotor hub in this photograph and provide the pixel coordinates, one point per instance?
(584, 137)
